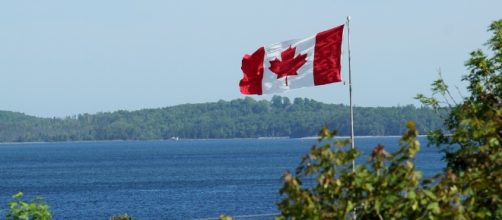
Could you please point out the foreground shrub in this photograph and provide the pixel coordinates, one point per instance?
(124, 216)
(37, 209)
(386, 187)
(389, 187)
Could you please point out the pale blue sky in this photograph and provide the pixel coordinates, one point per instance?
(61, 58)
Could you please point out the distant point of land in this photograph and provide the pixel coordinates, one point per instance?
(241, 118)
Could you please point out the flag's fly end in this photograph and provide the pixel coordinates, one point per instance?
(252, 67)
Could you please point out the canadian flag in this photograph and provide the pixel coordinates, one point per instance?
(293, 64)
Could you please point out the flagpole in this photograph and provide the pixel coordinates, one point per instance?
(354, 215)
(350, 96)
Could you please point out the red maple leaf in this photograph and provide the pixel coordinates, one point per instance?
(288, 65)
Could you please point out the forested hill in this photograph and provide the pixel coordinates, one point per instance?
(239, 118)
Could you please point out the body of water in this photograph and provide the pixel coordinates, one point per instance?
(186, 179)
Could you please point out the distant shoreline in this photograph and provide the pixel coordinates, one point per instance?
(280, 118)
(203, 139)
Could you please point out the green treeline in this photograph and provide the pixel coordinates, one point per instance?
(240, 118)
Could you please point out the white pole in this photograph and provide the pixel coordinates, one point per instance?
(354, 215)
(350, 96)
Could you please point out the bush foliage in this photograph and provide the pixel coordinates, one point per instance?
(389, 187)
(37, 209)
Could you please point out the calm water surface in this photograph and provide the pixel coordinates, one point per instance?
(186, 179)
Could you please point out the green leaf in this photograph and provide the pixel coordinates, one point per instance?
(434, 207)
(17, 195)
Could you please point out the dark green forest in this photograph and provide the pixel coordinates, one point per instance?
(240, 118)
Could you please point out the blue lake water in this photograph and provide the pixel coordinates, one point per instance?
(186, 179)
